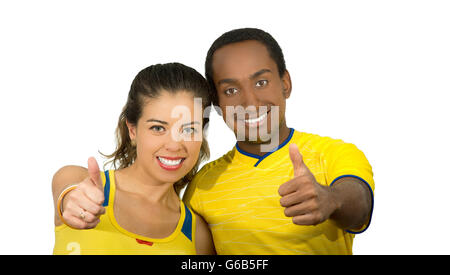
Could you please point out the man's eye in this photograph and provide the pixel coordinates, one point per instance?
(231, 91)
(261, 83)
(157, 128)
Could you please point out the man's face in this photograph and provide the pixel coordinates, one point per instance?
(251, 93)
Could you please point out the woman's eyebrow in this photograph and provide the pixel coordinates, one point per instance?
(164, 122)
(156, 120)
(189, 123)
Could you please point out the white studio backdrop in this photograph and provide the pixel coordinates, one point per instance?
(373, 73)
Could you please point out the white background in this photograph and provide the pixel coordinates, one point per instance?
(373, 73)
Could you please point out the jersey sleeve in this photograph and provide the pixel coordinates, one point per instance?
(191, 195)
(346, 160)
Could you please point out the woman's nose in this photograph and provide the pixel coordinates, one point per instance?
(174, 143)
(173, 146)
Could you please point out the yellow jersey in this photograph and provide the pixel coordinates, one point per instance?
(108, 237)
(237, 195)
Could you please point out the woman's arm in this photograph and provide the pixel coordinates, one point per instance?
(63, 178)
(203, 241)
(82, 206)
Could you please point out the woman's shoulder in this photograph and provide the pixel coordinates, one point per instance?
(67, 176)
(69, 173)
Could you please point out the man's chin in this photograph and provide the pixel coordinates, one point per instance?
(258, 141)
(266, 139)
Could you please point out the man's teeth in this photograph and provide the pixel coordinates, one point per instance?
(256, 120)
(169, 162)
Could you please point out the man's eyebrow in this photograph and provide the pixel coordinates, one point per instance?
(156, 120)
(226, 81)
(252, 76)
(260, 72)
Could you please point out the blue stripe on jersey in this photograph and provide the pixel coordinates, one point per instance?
(187, 225)
(106, 189)
(261, 158)
(371, 195)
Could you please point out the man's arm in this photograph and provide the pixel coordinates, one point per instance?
(355, 203)
(347, 202)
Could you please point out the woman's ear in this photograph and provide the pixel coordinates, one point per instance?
(287, 84)
(131, 130)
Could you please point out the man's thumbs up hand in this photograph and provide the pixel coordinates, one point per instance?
(297, 161)
(82, 207)
(304, 199)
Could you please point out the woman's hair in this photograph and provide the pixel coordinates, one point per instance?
(149, 83)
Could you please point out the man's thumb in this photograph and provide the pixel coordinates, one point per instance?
(94, 172)
(296, 159)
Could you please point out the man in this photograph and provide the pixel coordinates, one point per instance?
(306, 195)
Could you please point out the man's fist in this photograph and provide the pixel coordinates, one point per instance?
(82, 207)
(304, 199)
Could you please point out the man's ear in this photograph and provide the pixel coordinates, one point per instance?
(131, 130)
(287, 84)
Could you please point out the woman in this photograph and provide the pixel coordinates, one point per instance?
(136, 209)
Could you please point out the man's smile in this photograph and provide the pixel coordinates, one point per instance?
(253, 120)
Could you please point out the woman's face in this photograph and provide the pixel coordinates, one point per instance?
(168, 135)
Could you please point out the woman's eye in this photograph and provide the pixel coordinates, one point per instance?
(189, 131)
(261, 83)
(157, 128)
(231, 91)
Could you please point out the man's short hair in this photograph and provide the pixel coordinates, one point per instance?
(240, 35)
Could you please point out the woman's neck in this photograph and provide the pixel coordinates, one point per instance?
(134, 179)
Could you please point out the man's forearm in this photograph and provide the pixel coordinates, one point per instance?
(354, 203)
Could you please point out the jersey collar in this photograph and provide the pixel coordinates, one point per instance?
(255, 160)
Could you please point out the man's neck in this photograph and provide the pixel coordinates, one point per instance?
(255, 147)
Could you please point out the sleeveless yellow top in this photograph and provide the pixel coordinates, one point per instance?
(108, 237)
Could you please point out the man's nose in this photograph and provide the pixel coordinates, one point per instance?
(250, 99)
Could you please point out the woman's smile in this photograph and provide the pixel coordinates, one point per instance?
(170, 163)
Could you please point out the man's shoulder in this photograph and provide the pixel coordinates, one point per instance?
(216, 165)
(305, 139)
(324, 146)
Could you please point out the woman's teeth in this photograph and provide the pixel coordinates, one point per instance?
(169, 162)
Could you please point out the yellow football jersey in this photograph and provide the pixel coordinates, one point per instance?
(237, 195)
(108, 237)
